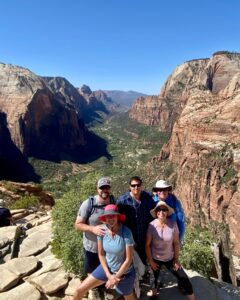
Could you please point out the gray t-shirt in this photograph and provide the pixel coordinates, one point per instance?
(90, 239)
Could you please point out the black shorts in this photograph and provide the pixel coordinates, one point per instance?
(91, 261)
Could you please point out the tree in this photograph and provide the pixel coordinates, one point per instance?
(196, 253)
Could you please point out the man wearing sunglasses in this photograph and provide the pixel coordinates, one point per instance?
(136, 205)
(88, 222)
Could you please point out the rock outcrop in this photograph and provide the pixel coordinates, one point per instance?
(63, 88)
(164, 110)
(40, 123)
(12, 191)
(93, 102)
(204, 148)
(107, 101)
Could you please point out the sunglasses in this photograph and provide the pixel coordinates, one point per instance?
(105, 187)
(162, 209)
(135, 185)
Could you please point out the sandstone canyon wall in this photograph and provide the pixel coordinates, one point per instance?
(41, 123)
(164, 109)
(200, 103)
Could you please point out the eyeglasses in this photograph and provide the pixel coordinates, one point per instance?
(162, 209)
(135, 185)
(105, 187)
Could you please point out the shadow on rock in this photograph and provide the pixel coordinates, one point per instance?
(13, 165)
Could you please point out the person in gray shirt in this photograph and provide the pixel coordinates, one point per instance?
(87, 222)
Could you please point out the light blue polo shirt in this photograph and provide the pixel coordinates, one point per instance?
(115, 247)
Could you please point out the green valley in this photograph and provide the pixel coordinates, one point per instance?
(130, 146)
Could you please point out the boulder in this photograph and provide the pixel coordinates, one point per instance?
(8, 279)
(22, 266)
(45, 254)
(17, 211)
(8, 238)
(51, 282)
(37, 240)
(24, 291)
(49, 264)
(4, 250)
(72, 286)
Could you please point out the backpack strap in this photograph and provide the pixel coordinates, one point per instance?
(112, 200)
(90, 208)
(92, 205)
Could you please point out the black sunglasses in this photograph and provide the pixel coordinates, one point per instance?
(135, 185)
(162, 209)
(105, 187)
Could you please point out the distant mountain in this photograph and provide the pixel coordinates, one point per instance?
(125, 99)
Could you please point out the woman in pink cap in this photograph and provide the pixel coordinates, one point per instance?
(115, 250)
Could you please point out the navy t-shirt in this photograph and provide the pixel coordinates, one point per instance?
(4, 217)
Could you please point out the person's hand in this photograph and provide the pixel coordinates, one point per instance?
(99, 230)
(176, 265)
(112, 281)
(154, 265)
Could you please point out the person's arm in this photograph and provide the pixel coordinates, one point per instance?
(176, 248)
(180, 219)
(148, 251)
(112, 278)
(83, 215)
(82, 226)
(127, 262)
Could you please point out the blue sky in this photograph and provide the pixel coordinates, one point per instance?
(115, 44)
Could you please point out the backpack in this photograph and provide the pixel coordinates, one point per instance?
(92, 206)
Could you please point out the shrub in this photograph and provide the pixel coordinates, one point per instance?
(25, 202)
(67, 243)
(196, 253)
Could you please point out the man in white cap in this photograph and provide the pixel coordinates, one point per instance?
(88, 222)
(5, 215)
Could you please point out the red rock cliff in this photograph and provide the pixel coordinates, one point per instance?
(164, 110)
(204, 148)
(40, 123)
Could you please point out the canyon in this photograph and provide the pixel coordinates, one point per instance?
(200, 105)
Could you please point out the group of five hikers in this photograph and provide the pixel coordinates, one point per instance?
(149, 225)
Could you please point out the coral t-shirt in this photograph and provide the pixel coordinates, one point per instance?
(162, 239)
